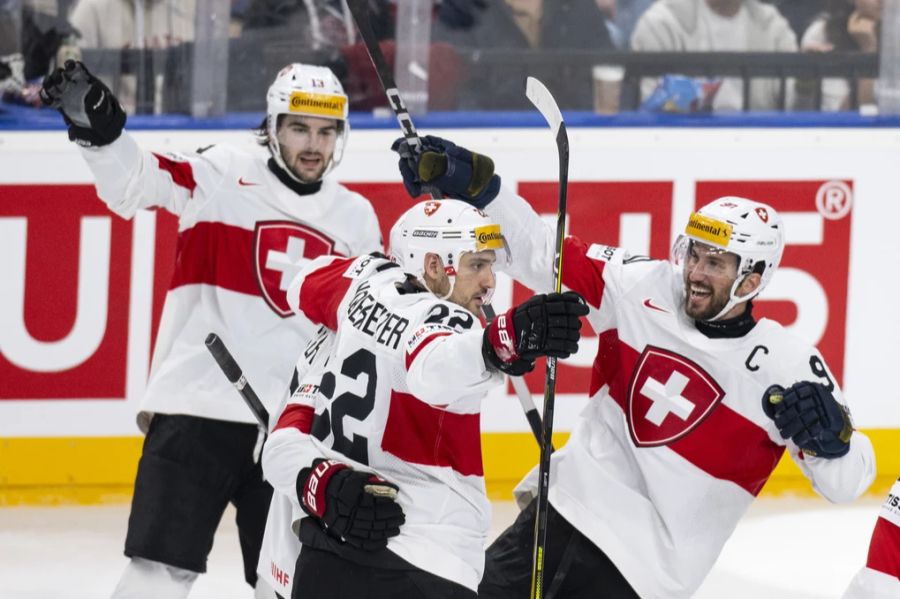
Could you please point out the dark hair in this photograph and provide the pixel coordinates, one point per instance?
(261, 133)
(837, 14)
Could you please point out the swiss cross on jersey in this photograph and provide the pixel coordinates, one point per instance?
(281, 249)
(668, 396)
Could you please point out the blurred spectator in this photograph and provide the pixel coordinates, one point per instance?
(523, 24)
(361, 83)
(10, 25)
(799, 13)
(321, 32)
(317, 24)
(621, 17)
(48, 39)
(134, 23)
(719, 26)
(12, 67)
(44, 39)
(122, 24)
(846, 26)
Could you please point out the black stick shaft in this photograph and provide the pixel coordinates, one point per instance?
(236, 377)
(360, 12)
(543, 504)
(522, 392)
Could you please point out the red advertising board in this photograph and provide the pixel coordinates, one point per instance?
(53, 219)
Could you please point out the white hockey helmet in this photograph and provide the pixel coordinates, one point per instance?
(310, 91)
(448, 228)
(751, 230)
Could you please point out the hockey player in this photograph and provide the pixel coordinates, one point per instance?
(693, 400)
(880, 577)
(382, 450)
(247, 223)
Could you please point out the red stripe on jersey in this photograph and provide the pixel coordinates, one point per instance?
(580, 273)
(884, 550)
(412, 356)
(419, 433)
(215, 254)
(322, 291)
(181, 172)
(725, 444)
(296, 416)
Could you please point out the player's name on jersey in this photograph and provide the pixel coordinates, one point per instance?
(372, 318)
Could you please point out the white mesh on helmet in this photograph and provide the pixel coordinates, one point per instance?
(751, 230)
(447, 228)
(309, 91)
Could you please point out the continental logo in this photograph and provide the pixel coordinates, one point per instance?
(708, 229)
(488, 237)
(325, 105)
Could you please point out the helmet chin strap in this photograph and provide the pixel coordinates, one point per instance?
(734, 299)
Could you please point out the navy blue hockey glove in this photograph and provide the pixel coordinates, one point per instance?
(452, 171)
(91, 111)
(352, 506)
(545, 325)
(809, 415)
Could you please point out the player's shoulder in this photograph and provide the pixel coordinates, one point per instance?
(347, 199)
(622, 257)
(370, 265)
(781, 339)
(786, 356)
(622, 265)
(428, 309)
(226, 156)
(218, 159)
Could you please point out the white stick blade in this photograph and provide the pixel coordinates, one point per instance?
(543, 100)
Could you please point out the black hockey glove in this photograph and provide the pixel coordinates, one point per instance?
(92, 113)
(545, 325)
(452, 171)
(809, 415)
(356, 507)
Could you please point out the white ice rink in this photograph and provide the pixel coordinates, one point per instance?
(782, 549)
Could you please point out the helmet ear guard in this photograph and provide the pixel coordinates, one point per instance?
(751, 230)
(307, 90)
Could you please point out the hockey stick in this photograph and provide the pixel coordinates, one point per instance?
(234, 374)
(542, 99)
(360, 12)
(522, 392)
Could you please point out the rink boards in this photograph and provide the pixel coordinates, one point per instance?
(82, 289)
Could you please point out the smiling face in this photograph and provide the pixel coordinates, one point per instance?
(709, 274)
(307, 145)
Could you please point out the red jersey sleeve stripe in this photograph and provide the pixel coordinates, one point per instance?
(322, 291)
(884, 550)
(296, 416)
(181, 172)
(410, 357)
(580, 273)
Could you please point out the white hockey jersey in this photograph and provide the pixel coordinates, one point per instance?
(242, 236)
(401, 397)
(673, 445)
(880, 577)
(281, 545)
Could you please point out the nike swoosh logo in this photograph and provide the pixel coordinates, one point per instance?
(652, 307)
(245, 183)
